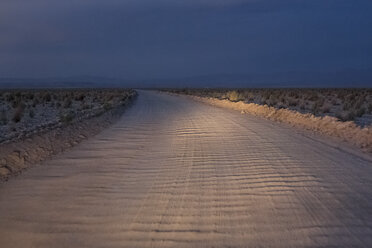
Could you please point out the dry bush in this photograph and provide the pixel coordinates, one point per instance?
(10, 97)
(66, 117)
(31, 113)
(18, 113)
(107, 106)
(15, 103)
(293, 103)
(67, 103)
(325, 108)
(85, 105)
(303, 106)
(80, 97)
(47, 97)
(233, 96)
(35, 102)
(360, 112)
(313, 96)
(3, 117)
(273, 100)
(345, 116)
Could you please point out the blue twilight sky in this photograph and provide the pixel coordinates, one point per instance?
(144, 39)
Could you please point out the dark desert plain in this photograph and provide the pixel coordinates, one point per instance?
(240, 123)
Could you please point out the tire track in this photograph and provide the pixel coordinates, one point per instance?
(177, 173)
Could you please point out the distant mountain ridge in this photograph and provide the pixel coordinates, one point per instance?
(361, 78)
(63, 82)
(346, 78)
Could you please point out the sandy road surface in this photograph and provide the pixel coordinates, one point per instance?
(177, 173)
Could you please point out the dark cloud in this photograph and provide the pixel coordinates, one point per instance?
(164, 38)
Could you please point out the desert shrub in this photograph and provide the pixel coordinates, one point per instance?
(3, 117)
(350, 116)
(85, 105)
(47, 97)
(313, 96)
(370, 108)
(360, 112)
(233, 96)
(352, 97)
(358, 103)
(347, 106)
(31, 113)
(249, 96)
(10, 97)
(109, 98)
(341, 94)
(302, 106)
(281, 106)
(15, 103)
(316, 108)
(107, 106)
(18, 113)
(18, 94)
(80, 97)
(30, 96)
(273, 100)
(67, 103)
(66, 117)
(293, 102)
(339, 116)
(293, 94)
(35, 102)
(347, 116)
(325, 109)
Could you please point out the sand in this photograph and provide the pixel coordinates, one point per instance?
(178, 173)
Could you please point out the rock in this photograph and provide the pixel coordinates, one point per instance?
(4, 172)
(15, 159)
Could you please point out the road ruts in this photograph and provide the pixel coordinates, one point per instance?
(177, 173)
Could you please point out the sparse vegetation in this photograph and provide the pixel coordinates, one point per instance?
(18, 113)
(327, 119)
(31, 109)
(345, 104)
(107, 106)
(67, 103)
(67, 117)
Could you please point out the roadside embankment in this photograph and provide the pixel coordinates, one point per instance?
(346, 131)
(19, 154)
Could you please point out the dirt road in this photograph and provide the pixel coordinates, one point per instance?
(177, 173)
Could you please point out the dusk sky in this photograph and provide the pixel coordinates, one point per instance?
(142, 39)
